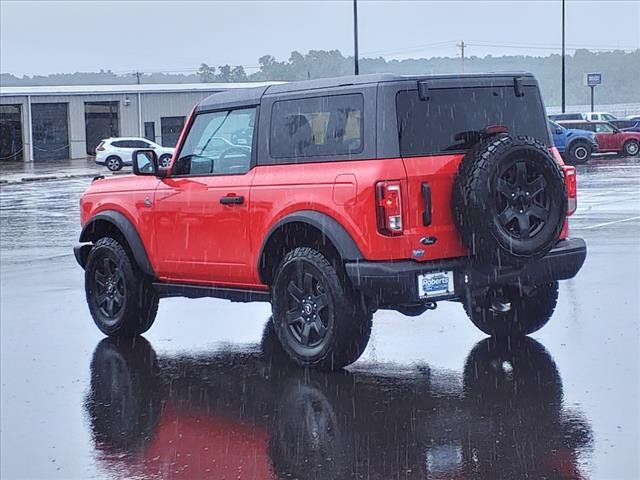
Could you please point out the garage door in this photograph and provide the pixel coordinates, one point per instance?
(170, 130)
(10, 133)
(101, 121)
(50, 131)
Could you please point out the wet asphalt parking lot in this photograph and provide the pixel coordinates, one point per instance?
(207, 394)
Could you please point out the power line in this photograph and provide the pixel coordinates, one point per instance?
(414, 48)
(482, 43)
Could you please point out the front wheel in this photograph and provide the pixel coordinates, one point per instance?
(631, 148)
(121, 300)
(315, 315)
(579, 153)
(512, 310)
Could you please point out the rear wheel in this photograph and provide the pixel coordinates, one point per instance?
(315, 315)
(114, 163)
(512, 310)
(579, 153)
(631, 148)
(121, 299)
(165, 161)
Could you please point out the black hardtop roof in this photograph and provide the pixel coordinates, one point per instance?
(252, 95)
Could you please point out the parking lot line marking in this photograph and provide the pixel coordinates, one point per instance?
(610, 223)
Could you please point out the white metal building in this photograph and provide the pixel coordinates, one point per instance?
(61, 122)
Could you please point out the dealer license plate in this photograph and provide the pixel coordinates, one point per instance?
(435, 284)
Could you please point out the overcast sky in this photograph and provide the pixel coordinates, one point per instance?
(55, 37)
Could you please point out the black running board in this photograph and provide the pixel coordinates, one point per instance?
(167, 290)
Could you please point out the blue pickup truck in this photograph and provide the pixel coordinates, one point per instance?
(575, 146)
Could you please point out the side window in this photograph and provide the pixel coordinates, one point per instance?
(218, 143)
(320, 126)
(119, 144)
(603, 128)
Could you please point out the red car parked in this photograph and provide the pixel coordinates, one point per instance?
(609, 137)
(347, 195)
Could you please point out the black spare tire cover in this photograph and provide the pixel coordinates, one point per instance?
(509, 200)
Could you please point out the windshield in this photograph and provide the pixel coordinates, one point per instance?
(452, 120)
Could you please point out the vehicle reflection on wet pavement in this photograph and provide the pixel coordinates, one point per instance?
(250, 414)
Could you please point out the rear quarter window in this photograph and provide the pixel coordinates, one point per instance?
(450, 120)
(314, 127)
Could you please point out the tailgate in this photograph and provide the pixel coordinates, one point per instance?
(429, 225)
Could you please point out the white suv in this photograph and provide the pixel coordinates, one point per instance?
(116, 152)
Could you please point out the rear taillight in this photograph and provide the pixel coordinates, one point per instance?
(100, 147)
(571, 186)
(389, 208)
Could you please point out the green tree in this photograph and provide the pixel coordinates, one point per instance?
(238, 74)
(225, 74)
(206, 73)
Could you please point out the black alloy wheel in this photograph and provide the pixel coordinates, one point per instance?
(521, 200)
(121, 299)
(309, 311)
(509, 200)
(318, 319)
(109, 288)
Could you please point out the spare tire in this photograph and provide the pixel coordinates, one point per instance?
(509, 200)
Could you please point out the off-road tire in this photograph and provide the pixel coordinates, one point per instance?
(347, 326)
(531, 309)
(139, 306)
(124, 399)
(631, 148)
(114, 163)
(579, 153)
(502, 186)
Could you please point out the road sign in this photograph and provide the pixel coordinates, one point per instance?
(594, 79)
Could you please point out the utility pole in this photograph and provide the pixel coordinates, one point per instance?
(461, 46)
(356, 67)
(563, 73)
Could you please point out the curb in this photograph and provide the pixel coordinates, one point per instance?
(45, 178)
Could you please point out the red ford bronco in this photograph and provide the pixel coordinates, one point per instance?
(333, 198)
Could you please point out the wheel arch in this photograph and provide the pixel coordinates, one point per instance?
(114, 224)
(305, 228)
(575, 140)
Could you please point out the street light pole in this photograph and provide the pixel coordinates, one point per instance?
(356, 67)
(563, 56)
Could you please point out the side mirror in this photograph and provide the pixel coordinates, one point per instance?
(145, 162)
(558, 131)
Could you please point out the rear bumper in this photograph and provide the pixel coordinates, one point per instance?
(396, 283)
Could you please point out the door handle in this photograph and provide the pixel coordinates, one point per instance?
(232, 200)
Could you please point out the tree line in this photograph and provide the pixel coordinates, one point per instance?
(620, 72)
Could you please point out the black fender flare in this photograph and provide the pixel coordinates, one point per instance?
(330, 228)
(129, 232)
